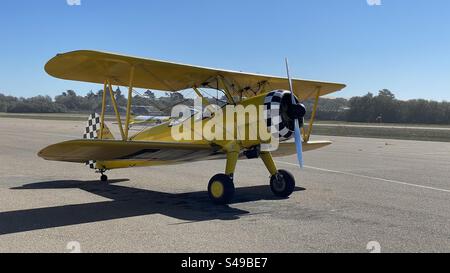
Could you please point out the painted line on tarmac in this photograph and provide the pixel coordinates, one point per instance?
(369, 177)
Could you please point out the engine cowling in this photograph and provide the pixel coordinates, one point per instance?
(281, 114)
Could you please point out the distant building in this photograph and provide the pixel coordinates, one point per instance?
(147, 110)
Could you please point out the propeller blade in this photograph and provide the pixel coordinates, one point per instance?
(298, 134)
(299, 144)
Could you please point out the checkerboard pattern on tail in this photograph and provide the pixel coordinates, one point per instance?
(92, 128)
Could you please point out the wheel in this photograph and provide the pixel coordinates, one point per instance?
(282, 184)
(104, 178)
(221, 189)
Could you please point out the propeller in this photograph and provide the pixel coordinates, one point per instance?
(298, 135)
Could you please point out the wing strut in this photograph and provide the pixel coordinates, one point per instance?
(130, 98)
(307, 135)
(226, 90)
(116, 109)
(107, 85)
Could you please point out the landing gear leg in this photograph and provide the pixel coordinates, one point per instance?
(221, 187)
(282, 183)
(268, 161)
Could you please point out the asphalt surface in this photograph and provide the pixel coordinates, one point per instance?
(394, 126)
(394, 192)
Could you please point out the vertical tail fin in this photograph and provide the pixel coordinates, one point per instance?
(93, 128)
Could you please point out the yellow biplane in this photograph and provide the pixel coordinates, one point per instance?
(158, 146)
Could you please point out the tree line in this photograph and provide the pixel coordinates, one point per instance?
(383, 107)
(70, 102)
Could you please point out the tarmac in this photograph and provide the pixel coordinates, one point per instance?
(357, 193)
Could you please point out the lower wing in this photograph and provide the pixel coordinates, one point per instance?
(288, 148)
(80, 151)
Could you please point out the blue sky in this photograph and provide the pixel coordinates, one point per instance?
(402, 45)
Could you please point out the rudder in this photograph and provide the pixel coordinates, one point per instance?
(93, 128)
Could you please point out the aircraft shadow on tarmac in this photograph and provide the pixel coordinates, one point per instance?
(125, 202)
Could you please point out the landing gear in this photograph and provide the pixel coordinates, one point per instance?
(104, 178)
(221, 186)
(282, 184)
(221, 189)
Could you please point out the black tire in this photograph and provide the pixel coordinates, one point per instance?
(282, 184)
(104, 178)
(221, 189)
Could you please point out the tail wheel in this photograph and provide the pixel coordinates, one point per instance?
(221, 189)
(104, 178)
(282, 184)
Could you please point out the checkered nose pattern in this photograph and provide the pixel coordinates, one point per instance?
(272, 114)
(91, 132)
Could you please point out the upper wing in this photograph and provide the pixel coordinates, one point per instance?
(81, 151)
(96, 67)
